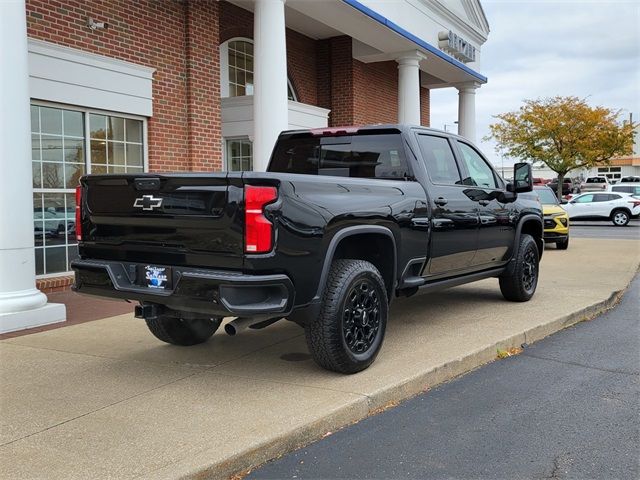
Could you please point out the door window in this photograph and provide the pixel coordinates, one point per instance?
(585, 199)
(601, 197)
(480, 173)
(438, 156)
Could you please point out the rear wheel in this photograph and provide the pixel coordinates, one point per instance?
(620, 218)
(519, 282)
(183, 331)
(347, 334)
(562, 244)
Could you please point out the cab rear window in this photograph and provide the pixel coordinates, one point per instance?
(360, 156)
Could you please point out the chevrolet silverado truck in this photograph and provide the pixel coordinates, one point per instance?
(343, 220)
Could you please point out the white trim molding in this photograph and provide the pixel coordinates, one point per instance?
(71, 76)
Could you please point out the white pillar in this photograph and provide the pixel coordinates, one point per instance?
(467, 110)
(409, 88)
(270, 103)
(21, 304)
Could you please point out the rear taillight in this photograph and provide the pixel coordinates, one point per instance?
(79, 213)
(258, 230)
(635, 203)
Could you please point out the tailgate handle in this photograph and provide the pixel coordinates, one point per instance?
(147, 183)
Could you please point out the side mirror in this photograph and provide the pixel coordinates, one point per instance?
(522, 177)
(563, 202)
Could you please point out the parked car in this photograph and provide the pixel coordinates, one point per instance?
(630, 179)
(567, 186)
(594, 184)
(617, 207)
(556, 219)
(343, 220)
(626, 188)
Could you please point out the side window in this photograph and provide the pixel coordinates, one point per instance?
(613, 197)
(441, 164)
(602, 197)
(585, 199)
(480, 174)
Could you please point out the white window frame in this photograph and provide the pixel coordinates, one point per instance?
(225, 153)
(87, 146)
(224, 69)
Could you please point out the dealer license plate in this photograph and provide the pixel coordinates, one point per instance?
(157, 277)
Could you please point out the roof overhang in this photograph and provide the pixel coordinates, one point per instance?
(377, 38)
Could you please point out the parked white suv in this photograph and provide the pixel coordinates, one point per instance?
(594, 184)
(617, 207)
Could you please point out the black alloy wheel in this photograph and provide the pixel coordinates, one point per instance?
(530, 270)
(361, 316)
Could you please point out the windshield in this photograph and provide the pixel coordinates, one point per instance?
(596, 180)
(547, 197)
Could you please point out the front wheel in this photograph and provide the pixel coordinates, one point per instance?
(519, 282)
(183, 331)
(620, 218)
(347, 334)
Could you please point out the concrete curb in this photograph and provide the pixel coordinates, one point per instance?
(257, 454)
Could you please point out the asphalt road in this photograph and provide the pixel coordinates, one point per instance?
(605, 229)
(567, 407)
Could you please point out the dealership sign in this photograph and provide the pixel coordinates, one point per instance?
(457, 46)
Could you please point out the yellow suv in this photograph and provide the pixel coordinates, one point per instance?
(556, 220)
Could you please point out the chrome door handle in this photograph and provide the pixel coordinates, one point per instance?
(484, 203)
(441, 201)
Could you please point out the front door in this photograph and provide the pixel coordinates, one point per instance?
(454, 221)
(496, 228)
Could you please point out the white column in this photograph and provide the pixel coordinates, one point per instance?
(467, 110)
(270, 104)
(409, 88)
(21, 304)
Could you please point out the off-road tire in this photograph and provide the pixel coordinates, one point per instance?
(326, 335)
(515, 283)
(620, 218)
(562, 244)
(183, 331)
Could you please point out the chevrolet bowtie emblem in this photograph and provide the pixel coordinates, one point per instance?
(147, 202)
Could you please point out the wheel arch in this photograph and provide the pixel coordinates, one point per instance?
(366, 242)
(531, 225)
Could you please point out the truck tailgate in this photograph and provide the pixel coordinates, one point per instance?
(173, 219)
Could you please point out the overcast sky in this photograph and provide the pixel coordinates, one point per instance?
(546, 48)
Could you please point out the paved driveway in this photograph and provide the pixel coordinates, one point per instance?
(106, 399)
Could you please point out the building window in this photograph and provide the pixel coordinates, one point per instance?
(237, 69)
(116, 144)
(239, 154)
(66, 143)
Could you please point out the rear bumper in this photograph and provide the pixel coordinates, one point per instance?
(210, 292)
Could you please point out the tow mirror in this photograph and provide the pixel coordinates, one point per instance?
(522, 178)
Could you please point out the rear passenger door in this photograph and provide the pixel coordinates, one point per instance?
(454, 220)
(497, 229)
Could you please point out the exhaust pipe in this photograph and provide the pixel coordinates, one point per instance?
(236, 326)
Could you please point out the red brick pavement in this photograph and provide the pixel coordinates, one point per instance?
(80, 309)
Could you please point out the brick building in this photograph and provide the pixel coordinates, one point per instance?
(201, 85)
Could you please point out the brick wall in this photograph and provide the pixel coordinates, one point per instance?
(203, 85)
(151, 33)
(375, 92)
(425, 107)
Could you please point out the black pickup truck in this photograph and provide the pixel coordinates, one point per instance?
(343, 220)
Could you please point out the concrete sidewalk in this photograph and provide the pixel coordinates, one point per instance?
(106, 399)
